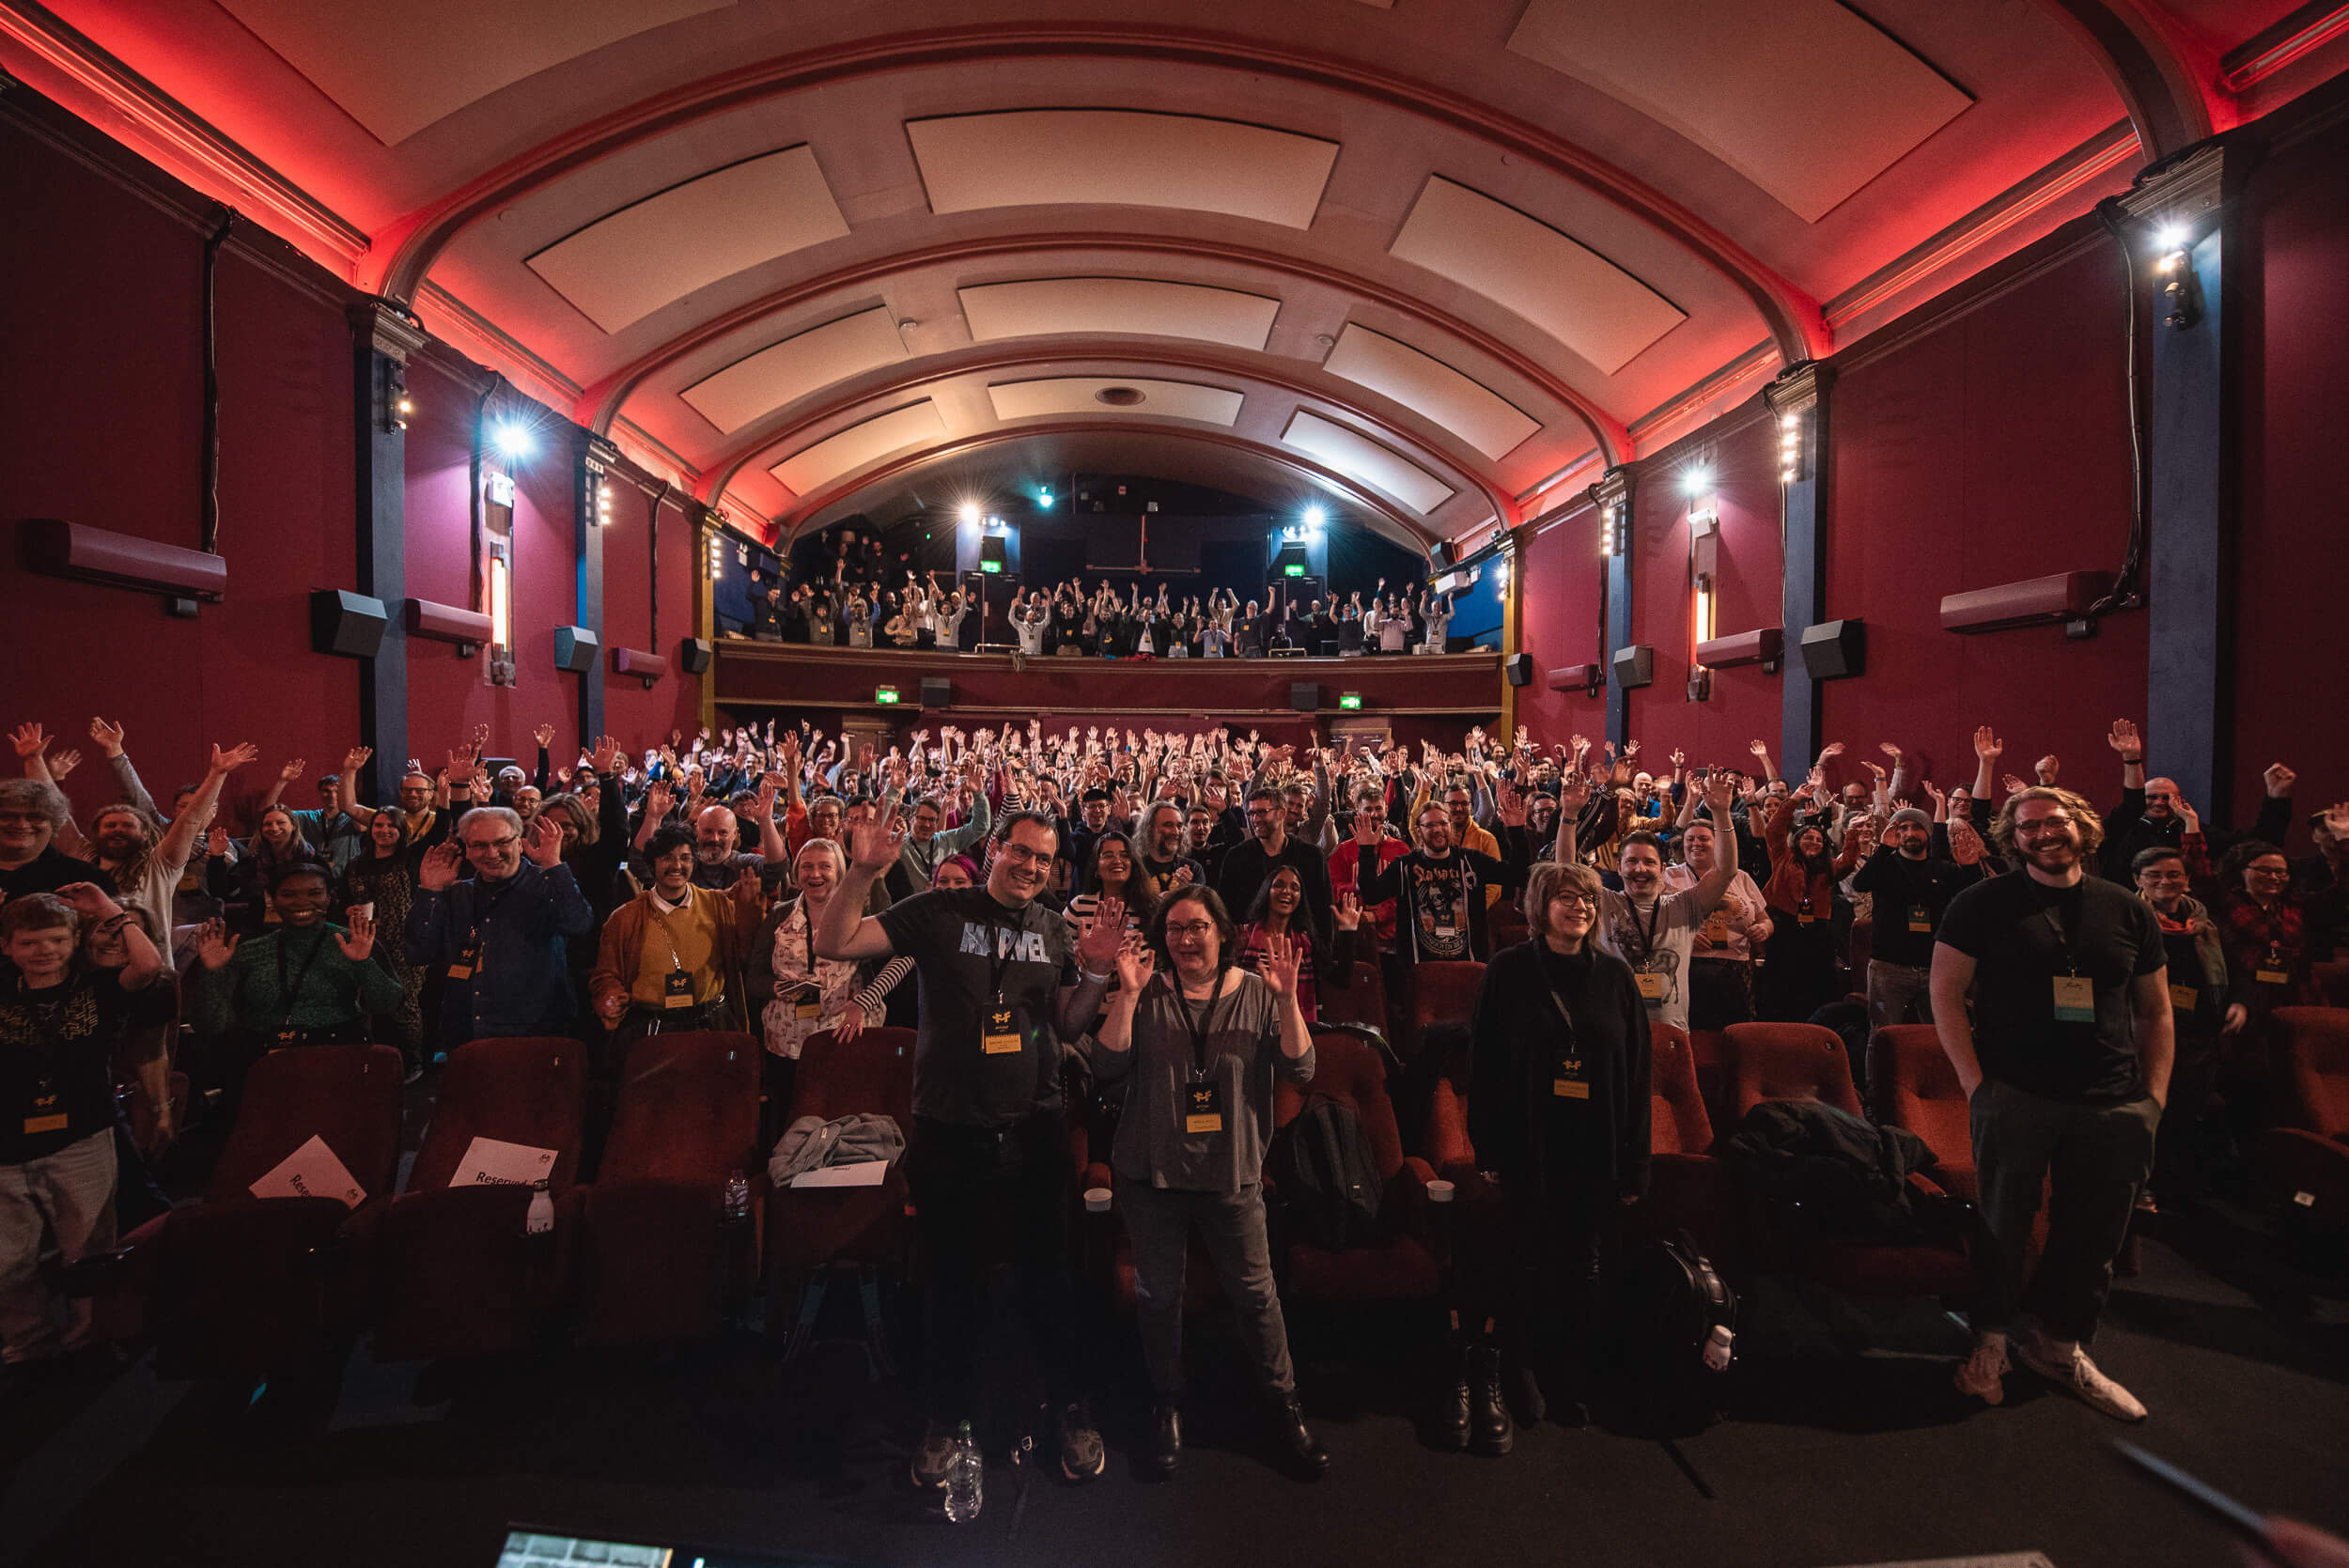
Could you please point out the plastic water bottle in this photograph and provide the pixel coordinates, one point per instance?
(966, 1478)
(541, 1217)
(1716, 1347)
(738, 1196)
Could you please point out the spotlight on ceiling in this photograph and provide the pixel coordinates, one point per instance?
(1695, 482)
(512, 440)
(2172, 237)
(1044, 497)
(1314, 517)
(968, 511)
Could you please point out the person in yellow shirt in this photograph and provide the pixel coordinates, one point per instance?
(669, 954)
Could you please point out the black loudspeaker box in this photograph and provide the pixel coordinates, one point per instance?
(346, 623)
(1305, 696)
(937, 692)
(1834, 650)
(1445, 555)
(574, 649)
(1519, 667)
(1635, 666)
(693, 655)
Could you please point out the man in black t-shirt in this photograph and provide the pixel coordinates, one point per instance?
(1441, 888)
(2066, 1063)
(1912, 888)
(1002, 986)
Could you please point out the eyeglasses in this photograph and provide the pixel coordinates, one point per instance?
(1574, 900)
(1020, 854)
(2270, 871)
(481, 843)
(1192, 928)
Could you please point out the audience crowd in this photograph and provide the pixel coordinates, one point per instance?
(1170, 914)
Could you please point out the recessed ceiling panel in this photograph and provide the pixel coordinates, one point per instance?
(1467, 408)
(1571, 292)
(788, 371)
(1140, 307)
(1358, 456)
(915, 425)
(1039, 157)
(1808, 98)
(1086, 395)
(628, 264)
(396, 73)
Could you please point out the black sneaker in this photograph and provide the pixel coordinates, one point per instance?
(1082, 1456)
(935, 1455)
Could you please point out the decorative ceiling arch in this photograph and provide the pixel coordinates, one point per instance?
(1373, 506)
(1025, 353)
(2165, 97)
(1794, 318)
(601, 402)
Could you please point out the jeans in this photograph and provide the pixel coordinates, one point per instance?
(68, 1196)
(969, 1184)
(1160, 1220)
(1895, 990)
(2098, 1157)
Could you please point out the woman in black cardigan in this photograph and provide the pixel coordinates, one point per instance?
(1558, 1105)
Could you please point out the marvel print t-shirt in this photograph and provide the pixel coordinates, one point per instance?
(965, 947)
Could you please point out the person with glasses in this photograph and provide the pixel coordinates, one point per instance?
(499, 940)
(1003, 983)
(1249, 863)
(2065, 1062)
(1647, 925)
(1558, 1105)
(1201, 1044)
(2203, 1011)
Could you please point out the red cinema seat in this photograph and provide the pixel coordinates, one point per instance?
(1915, 1087)
(1786, 1062)
(456, 1271)
(2303, 1162)
(810, 1227)
(1688, 1190)
(1363, 1001)
(1442, 994)
(238, 1285)
(1401, 1265)
(653, 1242)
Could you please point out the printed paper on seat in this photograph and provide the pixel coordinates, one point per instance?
(312, 1172)
(865, 1172)
(489, 1162)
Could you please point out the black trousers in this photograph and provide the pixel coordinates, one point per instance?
(1552, 1280)
(976, 1185)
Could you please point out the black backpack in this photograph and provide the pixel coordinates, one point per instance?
(1667, 1303)
(1327, 1177)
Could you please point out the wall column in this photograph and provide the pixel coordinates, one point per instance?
(1614, 493)
(591, 509)
(2181, 236)
(1799, 399)
(382, 336)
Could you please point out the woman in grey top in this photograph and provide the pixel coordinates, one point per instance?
(1204, 1042)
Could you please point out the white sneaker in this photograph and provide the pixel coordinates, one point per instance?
(1982, 1374)
(2068, 1366)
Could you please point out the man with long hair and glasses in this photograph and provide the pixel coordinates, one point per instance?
(2066, 1063)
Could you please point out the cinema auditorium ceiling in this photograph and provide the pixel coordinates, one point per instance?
(1445, 260)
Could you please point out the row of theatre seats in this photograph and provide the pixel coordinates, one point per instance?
(645, 1254)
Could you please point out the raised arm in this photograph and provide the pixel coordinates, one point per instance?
(1714, 887)
(844, 930)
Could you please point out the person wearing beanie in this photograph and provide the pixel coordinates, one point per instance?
(1912, 885)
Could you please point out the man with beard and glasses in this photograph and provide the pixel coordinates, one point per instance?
(1163, 857)
(1649, 929)
(146, 863)
(1004, 983)
(1913, 888)
(2066, 1063)
(2150, 815)
(1439, 887)
(1249, 863)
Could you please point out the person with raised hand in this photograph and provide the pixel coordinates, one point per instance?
(301, 982)
(499, 938)
(1202, 1044)
(1003, 986)
(1650, 927)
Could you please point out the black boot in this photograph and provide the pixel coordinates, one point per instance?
(1166, 1444)
(1490, 1431)
(1447, 1427)
(1301, 1456)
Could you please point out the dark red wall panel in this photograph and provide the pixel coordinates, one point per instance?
(1559, 625)
(632, 713)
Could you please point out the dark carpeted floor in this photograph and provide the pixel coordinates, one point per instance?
(1826, 1457)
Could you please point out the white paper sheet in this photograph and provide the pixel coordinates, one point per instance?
(312, 1172)
(489, 1162)
(865, 1172)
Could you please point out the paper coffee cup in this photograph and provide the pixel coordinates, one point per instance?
(1096, 1200)
(1440, 1192)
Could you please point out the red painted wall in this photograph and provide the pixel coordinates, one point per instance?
(101, 400)
(1561, 578)
(635, 715)
(2292, 552)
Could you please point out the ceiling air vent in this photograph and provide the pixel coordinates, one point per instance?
(1120, 396)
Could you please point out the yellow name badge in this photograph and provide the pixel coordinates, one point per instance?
(2182, 997)
(808, 1010)
(2075, 999)
(466, 963)
(1569, 1089)
(2272, 977)
(1716, 932)
(677, 990)
(999, 1032)
(45, 1123)
(1651, 986)
(1920, 918)
(1203, 1108)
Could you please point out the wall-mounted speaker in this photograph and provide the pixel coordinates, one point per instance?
(1305, 696)
(1833, 649)
(1445, 555)
(693, 655)
(575, 650)
(937, 692)
(346, 623)
(1519, 667)
(1635, 666)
